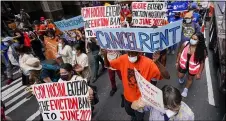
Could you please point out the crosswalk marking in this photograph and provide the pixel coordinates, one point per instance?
(32, 117)
(14, 87)
(15, 81)
(16, 106)
(13, 93)
(15, 98)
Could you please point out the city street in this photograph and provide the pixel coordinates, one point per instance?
(203, 98)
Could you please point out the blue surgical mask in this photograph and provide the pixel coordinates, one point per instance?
(193, 42)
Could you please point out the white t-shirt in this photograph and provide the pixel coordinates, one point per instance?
(66, 54)
(82, 60)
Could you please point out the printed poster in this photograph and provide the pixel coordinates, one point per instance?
(140, 39)
(100, 17)
(150, 93)
(63, 101)
(148, 14)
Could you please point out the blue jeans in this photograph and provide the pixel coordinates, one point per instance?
(97, 58)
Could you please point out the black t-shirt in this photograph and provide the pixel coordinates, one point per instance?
(94, 47)
(36, 45)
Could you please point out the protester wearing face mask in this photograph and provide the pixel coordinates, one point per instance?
(189, 27)
(126, 63)
(191, 59)
(65, 51)
(82, 64)
(67, 74)
(175, 108)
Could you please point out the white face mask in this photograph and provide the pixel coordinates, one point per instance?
(170, 113)
(193, 42)
(60, 45)
(188, 21)
(132, 59)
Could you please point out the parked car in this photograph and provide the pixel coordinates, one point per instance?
(218, 42)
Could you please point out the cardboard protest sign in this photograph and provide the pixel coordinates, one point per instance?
(100, 17)
(150, 93)
(140, 39)
(149, 13)
(69, 24)
(63, 100)
(71, 28)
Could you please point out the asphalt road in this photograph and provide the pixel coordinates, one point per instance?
(109, 108)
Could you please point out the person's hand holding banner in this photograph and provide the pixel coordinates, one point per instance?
(156, 56)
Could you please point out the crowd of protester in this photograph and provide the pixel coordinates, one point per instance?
(26, 49)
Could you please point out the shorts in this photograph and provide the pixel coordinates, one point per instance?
(184, 71)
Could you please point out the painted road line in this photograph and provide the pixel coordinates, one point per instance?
(13, 93)
(18, 71)
(32, 117)
(209, 83)
(15, 81)
(11, 89)
(15, 106)
(15, 98)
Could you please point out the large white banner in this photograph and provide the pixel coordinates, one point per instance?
(100, 17)
(150, 93)
(140, 39)
(149, 13)
(66, 101)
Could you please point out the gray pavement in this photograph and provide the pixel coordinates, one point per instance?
(109, 108)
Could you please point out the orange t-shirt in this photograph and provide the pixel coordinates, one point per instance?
(145, 66)
(50, 48)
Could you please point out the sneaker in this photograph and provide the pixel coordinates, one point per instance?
(112, 92)
(9, 81)
(181, 81)
(173, 52)
(185, 92)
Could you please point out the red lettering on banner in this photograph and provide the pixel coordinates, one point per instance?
(92, 12)
(56, 90)
(40, 91)
(85, 115)
(140, 6)
(64, 104)
(150, 21)
(69, 115)
(99, 22)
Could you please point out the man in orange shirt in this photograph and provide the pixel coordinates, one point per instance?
(151, 70)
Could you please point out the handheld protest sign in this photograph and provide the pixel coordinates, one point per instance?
(149, 13)
(70, 24)
(140, 39)
(150, 94)
(100, 17)
(66, 100)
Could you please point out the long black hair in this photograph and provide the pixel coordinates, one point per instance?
(201, 50)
